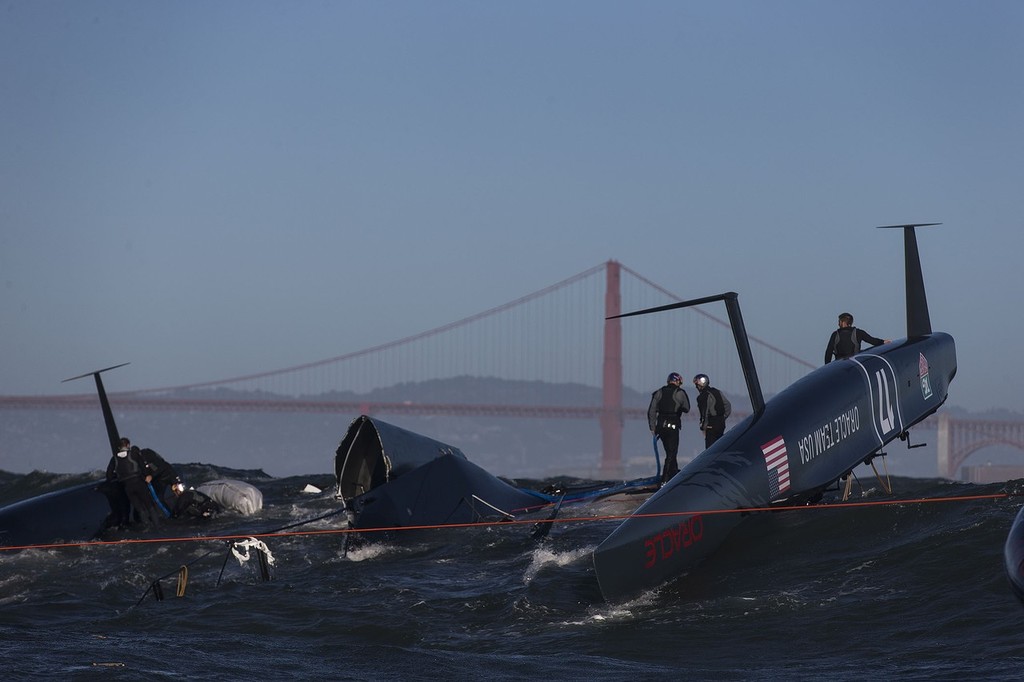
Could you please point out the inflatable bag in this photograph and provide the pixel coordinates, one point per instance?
(237, 496)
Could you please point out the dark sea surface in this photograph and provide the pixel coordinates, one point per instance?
(911, 591)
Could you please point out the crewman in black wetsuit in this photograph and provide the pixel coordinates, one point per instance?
(120, 508)
(165, 478)
(192, 504)
(664, 416)
(845, 341)
(128, 469)
(714, 409)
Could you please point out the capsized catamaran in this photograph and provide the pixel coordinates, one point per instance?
(790, 449)
(83, 512)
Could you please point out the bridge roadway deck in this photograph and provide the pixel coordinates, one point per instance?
(128, 401)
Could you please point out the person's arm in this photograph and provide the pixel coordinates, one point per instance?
(864, 336)
(652, 411)
(136, 454)
(830, 348)
(684, 401)
(158, 466)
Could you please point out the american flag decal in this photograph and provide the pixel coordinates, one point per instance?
(777, 460)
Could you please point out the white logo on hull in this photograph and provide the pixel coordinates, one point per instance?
(885, 413)
(883, 395)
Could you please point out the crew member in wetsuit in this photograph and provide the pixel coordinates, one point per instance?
(845, 341)
(192, 504)
(164, 476)
(129, 470)
(714, 409)
(664, 416)
(120, 508)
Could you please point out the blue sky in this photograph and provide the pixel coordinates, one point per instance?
(213, 189)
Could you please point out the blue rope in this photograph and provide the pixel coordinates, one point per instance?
(657, 456)
(157, 500)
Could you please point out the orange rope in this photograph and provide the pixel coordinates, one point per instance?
(479, 524)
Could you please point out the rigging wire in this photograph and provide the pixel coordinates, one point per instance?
(540, 528)
(279, 533)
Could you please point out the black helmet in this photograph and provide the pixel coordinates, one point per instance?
(674, 378)
(701, 381)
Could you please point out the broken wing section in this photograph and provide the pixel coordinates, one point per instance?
(390, 478)
(373, 453)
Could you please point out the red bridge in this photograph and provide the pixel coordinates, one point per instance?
(558, 334)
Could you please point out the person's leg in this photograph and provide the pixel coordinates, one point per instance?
(670, 439)
(142, 501)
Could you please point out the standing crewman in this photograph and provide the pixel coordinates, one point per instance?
(714, 409)
(127, 467)
(845, 341)
(664, 416)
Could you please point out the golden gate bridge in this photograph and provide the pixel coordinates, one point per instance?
(558, 334)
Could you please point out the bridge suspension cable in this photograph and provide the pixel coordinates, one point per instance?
(552, 334)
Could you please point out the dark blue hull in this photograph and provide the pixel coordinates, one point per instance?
(1013, 556)
(74, 514)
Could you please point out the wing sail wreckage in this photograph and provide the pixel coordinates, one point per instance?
(391, 478)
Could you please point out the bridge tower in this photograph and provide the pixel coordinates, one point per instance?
(611, 408)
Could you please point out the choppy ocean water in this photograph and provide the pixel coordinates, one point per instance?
(908, 591)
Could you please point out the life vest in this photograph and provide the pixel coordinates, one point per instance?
(668, 410)
(846, 344)
(127, 466)
(719, 410)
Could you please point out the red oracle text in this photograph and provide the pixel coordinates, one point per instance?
(671, 540)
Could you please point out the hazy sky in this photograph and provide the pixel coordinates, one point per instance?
(213, 189)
